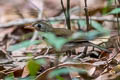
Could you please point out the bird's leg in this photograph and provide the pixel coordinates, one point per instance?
(57, 58)
(93, 48)
(48, 48)
(82, 54)
(70, 52)
(73, 52)
(85, 51)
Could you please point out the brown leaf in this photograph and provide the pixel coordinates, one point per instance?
(25, 72)
(88, 67)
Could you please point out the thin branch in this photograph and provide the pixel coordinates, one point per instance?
(68, 15)
(118, 25)
(63, 8)
(33, 20)
(86, 14)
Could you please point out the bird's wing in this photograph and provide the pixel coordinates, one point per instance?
(62, 32)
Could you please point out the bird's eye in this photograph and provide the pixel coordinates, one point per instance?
(39, 25)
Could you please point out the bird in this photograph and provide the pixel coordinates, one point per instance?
(59, 32)
(42, 26)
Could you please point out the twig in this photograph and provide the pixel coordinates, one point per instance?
(33, 20)
(118, 25)
(63, 8)
(68, 15)
(86, 14)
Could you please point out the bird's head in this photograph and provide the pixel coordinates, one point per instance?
(42, 26)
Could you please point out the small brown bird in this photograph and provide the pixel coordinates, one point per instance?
(59, 32)
(62, 32)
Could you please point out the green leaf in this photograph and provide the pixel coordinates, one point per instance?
(40, 61)
(59, 78)
(99, 27)
(82, 23)
(86, 35)
(115, 11)
(79, 34)
(9, 77)
(27, 78)
(57, 42)
(106, 8)
(60, 71)
(93, 34)
(26, 36)
(33, 67)
(23, 44)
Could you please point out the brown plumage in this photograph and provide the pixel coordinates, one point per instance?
(59, 32)
(62, 32)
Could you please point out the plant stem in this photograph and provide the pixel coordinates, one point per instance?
(118, 25)
(86, 13)
(67, 13)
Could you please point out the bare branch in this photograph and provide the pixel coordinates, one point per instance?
(33, 20)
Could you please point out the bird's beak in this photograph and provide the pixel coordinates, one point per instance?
(29, 27)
